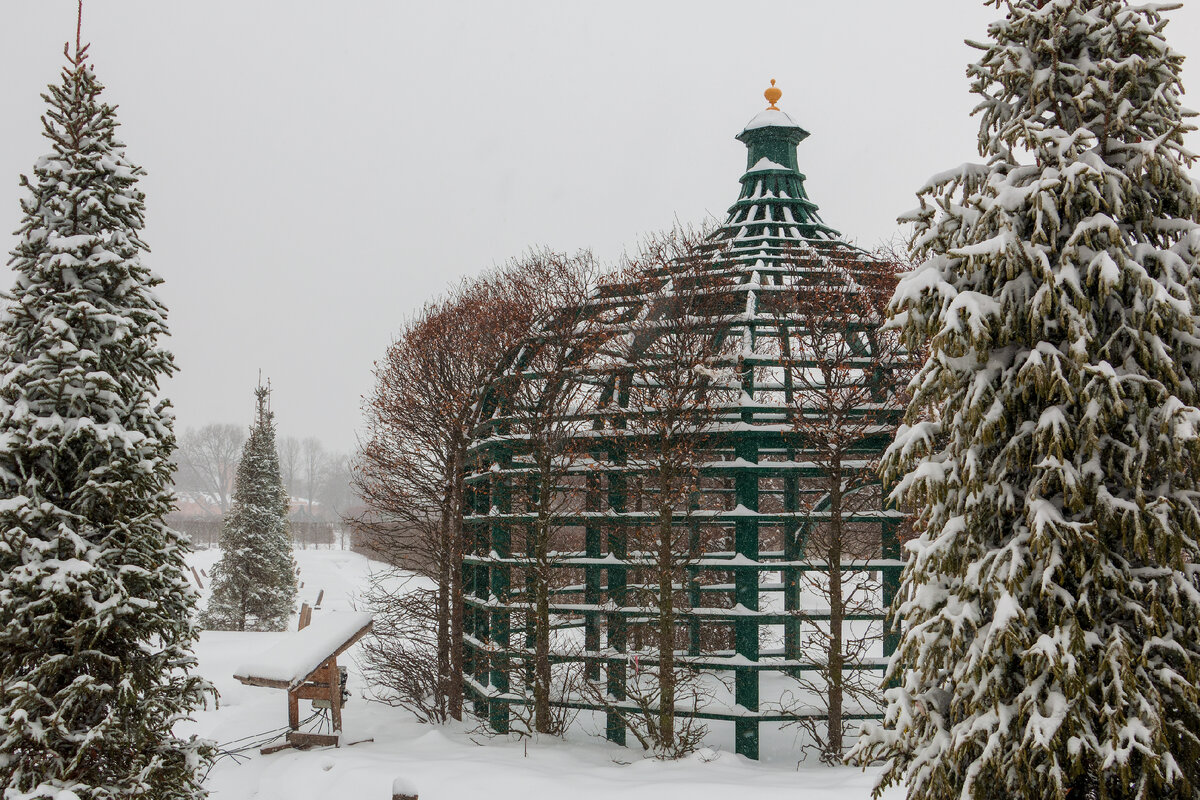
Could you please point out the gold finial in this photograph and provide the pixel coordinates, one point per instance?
(773, 96)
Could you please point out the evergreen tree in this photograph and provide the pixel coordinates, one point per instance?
(254, 583)
(1051, 604)
(95, 609)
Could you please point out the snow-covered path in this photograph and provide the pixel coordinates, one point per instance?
(452, 762)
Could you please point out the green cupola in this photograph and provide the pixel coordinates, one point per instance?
(773, 204)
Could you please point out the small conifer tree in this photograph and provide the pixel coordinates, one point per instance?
(1051, 604)
(95, 608)
(254, 583)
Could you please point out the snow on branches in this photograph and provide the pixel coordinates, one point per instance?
(254, 583)
(95, 625)
(1051, 604)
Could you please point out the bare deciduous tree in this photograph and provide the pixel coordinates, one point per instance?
(401, 655)
(335, 492)
(315, 463)
(289, 463)
(541, 390)
(842, 370)
(409, 468)
(208, 458)
(686, 372)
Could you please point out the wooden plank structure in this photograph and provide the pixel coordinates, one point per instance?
(305, 665)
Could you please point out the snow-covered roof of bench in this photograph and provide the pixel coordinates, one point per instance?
(293, 660)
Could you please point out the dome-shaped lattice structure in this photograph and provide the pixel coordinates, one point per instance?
(688, 438)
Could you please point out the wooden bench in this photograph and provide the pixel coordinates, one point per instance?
(305, 664)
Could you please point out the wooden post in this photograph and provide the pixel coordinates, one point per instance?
(305, 616)
(196, 575)
(320, 597)
(293, 710)
(335, 696)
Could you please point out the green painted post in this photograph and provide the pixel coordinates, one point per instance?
(531, 492)
(746, 587)
(695, 598)
(618, 547)
(890, 536)
(471, 535)
(592, 589)
(501, 622)
(479, 582)
(615, 622)
(791, 575)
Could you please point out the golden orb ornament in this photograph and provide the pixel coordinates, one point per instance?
(773, 96)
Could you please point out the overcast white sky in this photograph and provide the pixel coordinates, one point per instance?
(318, 169)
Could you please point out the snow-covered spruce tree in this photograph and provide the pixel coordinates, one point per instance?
(95, 609)
(254, 583)
(1051, 604)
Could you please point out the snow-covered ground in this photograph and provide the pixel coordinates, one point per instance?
(455, 762)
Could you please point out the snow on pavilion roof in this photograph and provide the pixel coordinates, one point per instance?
(773, 236)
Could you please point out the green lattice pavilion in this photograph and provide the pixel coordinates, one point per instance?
(761, 492)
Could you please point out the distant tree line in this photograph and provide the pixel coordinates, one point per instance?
(317, 480)
(206, 531)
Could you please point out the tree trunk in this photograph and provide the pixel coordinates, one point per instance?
(666, 630)
(456, 585)
(443, 612)
(833, 741)
(541, 621)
